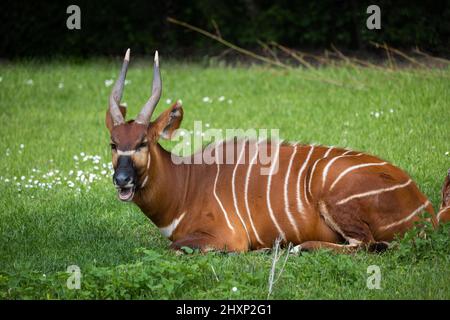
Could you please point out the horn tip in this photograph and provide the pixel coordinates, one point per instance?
(156, 58)
(127, 55)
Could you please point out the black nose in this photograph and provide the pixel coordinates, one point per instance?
(122, 178)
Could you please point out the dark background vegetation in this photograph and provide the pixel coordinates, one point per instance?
(38, 28)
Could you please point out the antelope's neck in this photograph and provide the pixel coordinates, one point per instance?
(163, 196)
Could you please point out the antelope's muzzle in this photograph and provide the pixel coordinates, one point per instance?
(125, 178)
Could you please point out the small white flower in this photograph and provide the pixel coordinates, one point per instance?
(127, 82)
(207, 125)
(70, 184)
(82, 154)
(109, 82)
(29, 82)
(6, 180)
(182, 133)
(75, 158)
(60, 85)
(376, 114)
(206, 99)
(230, 101)
(168, 101)
(103, 172)
(391, 110)
(22, 146)
(221, 99)
(1, 79)
(234, 289)
(22, 178)
(447, 153)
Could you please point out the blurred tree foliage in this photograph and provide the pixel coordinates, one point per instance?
(38, 28)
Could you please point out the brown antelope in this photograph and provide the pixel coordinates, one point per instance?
(319, 197)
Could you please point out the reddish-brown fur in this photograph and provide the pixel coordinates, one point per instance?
(343, 199)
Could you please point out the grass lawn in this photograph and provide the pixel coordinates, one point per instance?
(58, 205)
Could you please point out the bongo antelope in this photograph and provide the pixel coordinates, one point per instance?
(319, 197)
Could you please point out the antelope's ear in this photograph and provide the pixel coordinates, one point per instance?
(167, 122)
(109, 120)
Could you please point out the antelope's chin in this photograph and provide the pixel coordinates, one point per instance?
(126, 194)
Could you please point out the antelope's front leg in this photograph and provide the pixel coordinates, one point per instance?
(204, 242)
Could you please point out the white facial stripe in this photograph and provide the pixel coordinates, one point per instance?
(145, 182)
(125, 153)
(167, 231)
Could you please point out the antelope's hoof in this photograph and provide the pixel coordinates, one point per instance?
(378, 247)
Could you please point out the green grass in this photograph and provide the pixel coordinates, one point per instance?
(43, 231)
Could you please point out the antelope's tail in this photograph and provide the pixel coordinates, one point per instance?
(444, 212)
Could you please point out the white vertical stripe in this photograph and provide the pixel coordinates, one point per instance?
(374, 192)
(148, 160)
(286, 198)
(269, 181)
(247, 180)
(215, 194)
(233, 188)
(419, 209)
(438, 217)
(311, 175)
(328, 152)
(364, 165)
(300, 206)
(328, 166)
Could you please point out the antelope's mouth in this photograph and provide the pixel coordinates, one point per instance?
(126, 194)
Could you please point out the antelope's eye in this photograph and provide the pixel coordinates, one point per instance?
(142, 145)
(113, 146)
